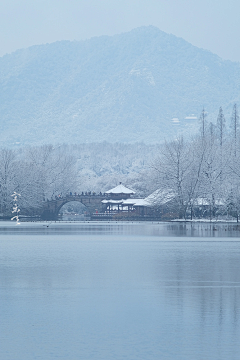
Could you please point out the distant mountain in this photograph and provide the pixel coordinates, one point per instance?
(124, 88)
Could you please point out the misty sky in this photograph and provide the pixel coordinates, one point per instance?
(209, 24)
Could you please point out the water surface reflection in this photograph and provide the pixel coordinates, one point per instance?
(119, 291)
(179, 229)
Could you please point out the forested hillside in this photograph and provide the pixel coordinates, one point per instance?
(124, 88)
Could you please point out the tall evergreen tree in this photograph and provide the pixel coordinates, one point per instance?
(203, 122)
(221, 125)
(235, 126)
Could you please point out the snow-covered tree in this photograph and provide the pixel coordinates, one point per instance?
(171, 171)
(7, 179)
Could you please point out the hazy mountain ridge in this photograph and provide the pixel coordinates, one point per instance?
(121, 88)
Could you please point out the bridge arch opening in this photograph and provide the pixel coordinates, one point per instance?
(73, 211)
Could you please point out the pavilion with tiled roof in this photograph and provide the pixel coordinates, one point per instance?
(119, 199)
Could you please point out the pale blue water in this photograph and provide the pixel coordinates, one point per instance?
(119, 291)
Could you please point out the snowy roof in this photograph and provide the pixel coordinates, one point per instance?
(120, 189)
(135, 202)
(112, 201)
(159, 198)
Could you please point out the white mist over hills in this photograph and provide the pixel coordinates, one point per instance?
(122, 88)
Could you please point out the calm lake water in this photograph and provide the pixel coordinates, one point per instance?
(104, 291)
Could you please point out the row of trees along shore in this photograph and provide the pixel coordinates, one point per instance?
(202, 170)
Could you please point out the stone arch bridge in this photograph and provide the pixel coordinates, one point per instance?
(50, 209)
